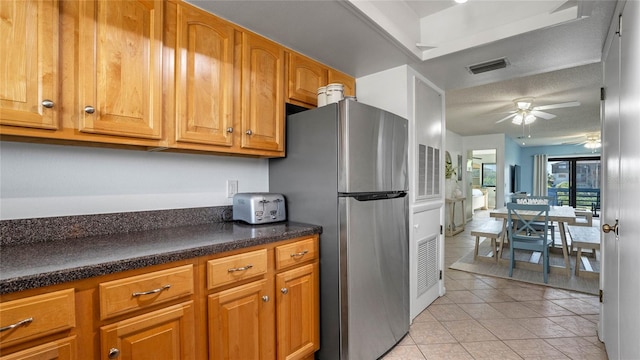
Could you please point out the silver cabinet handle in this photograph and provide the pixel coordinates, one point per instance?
(244, 268)
(19, 323)
(229, 129)
(89, 109)
(284, 291)
(249, 132)
(302, 253)
(154, 291)
(113, 353)
(265, 298)
(47, 103)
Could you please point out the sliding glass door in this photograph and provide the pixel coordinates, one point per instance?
(575, 182)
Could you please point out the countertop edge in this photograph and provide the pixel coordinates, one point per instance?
(22, 283)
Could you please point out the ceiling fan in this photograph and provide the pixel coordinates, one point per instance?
(592, 141)
(525, 113)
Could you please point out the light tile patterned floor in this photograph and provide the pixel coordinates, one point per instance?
(482, 317)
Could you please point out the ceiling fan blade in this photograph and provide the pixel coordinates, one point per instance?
(505, 118)
(557, 106)
(542, 114)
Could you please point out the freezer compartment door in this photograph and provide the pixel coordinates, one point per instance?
(372, 149)
(374, 275)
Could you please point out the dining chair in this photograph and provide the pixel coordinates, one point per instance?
(548, 200)
(525, 234)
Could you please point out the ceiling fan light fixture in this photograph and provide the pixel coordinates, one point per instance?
(529, 119)
(593, 143)
(523, 105)
(517, 119)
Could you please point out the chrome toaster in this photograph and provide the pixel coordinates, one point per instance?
(259, 208)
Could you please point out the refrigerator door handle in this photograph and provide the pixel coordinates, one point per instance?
(375, 196)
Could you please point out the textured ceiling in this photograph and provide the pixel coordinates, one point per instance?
(477, 109)
(554, 64)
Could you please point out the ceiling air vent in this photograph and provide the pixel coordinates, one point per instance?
(488, 66)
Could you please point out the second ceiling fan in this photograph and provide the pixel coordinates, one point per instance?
(525, 113)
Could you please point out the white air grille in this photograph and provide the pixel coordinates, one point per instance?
(427, 264)
(488, 66)
(422, 170)
(428, 171)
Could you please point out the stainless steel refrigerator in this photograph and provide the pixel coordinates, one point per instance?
(346, 170)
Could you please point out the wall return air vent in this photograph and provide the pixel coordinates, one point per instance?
(488, 66)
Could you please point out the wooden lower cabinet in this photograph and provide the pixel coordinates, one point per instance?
(241, 323)
(276, 316)
(34, 318)
(64, 349)
(258, 303)
(163, 334)
(297, 300)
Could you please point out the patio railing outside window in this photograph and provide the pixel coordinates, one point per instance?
(575, 182)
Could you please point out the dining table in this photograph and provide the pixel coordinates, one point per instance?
(563, 215)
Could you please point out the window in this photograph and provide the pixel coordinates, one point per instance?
(488, 174)
(575, 181)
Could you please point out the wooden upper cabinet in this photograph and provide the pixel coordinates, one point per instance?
(120, 68)
(344, 79)
(305, 77)
(29, 63)
(262, 94)
(204, 78)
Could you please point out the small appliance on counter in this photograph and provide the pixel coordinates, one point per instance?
(259, 208)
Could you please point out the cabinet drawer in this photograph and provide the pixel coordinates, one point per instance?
(234, 268)
(36, 316)
(295, 253)
(64, 349)
(137, 292)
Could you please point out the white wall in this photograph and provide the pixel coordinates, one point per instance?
(387, 90)
(454, 145)
(52, 180)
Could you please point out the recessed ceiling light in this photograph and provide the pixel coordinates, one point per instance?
(461, 1)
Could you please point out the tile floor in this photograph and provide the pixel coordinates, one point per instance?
(483, 317)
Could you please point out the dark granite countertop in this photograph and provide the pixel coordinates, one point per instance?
(28, 266)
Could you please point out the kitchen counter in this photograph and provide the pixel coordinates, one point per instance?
(30, 265)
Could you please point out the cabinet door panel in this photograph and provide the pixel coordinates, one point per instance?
(39, 316)
(241, 323)
(344, 79)
(164, 334)
(120, 74)
(297, 312)
(205, 78)
(64, 349)
(29, 64)
(305, 77)
(263, 94)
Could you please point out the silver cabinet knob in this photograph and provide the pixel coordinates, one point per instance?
(284, 291)
(249, 132)
(113, 353)
(265, 298)
(89, 109)
(229, 129)
(47, 103)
